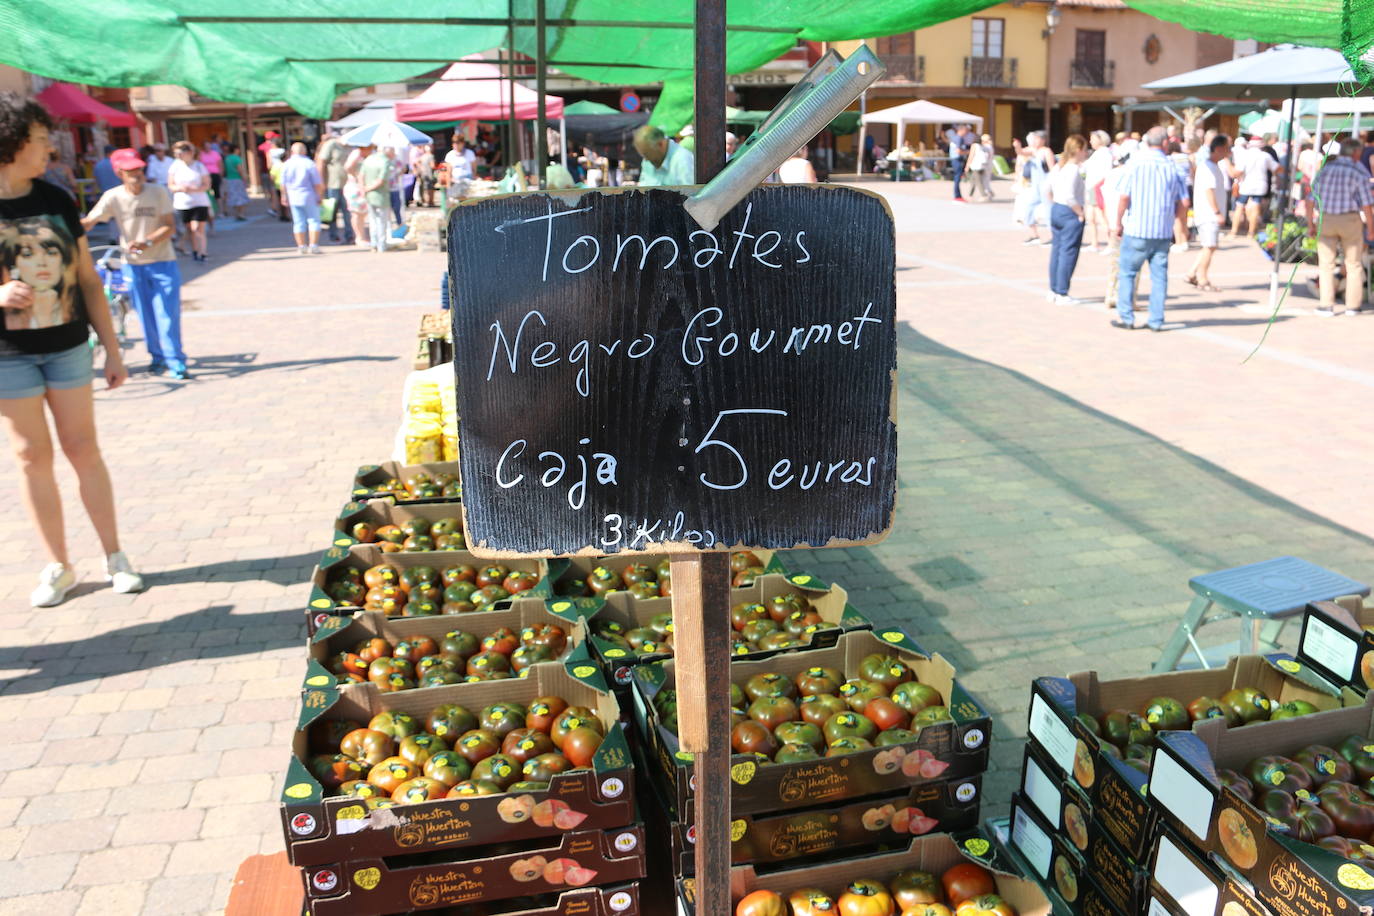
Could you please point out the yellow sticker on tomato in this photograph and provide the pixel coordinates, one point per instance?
(743, 773)
(737, 830)
(299, 790)
(583, 671)
(1276, 778)
(1329, 766)
(1353, 876)
(367, 878)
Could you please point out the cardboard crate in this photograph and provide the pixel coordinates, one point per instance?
(962, 745)
(1290, 877)
(1113, 787)
(435, 324)
(830, 601)
(1066, 810)
(373, 885)
(321, 607)
(619, 900)
(933, 854)
(368, 480)
(1055, 862)
(952, 805)
(1338, 641)
(1183, 883)
(321, 829)
(521, 613)
(581, 567)
(385, 511)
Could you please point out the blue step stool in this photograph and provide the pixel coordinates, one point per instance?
(1263, 596)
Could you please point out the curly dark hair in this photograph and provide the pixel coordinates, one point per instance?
(17, 115)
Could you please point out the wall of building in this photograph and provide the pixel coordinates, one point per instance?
(944, 46)
(1127, 31)
(13, 80)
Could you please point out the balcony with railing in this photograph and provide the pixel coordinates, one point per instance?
(904, 68)
(1092, 73)
(990, 72)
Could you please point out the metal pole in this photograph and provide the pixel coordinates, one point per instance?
(1283, 201)
(541, 135)
(709, 574)
(863, 133)
(512, 154)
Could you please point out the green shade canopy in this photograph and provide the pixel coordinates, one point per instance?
(588, 107)
(1218, 108)
(308, 53)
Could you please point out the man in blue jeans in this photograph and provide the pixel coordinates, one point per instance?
(1152, 194)
(958, 155)
(143, 212)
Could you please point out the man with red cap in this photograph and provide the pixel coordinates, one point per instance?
(144, 214)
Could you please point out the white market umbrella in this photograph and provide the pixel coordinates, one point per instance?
(917, 112)
(392, 134)
(371, 113)
(1286, 71)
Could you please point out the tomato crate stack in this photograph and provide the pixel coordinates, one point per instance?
(457, 742)
(1087, 820)
(838, 751)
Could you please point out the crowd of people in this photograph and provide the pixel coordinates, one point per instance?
(1130, 199)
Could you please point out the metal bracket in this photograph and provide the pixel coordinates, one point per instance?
(828, 88)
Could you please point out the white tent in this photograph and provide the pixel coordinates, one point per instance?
(372, 112)
(917, 112)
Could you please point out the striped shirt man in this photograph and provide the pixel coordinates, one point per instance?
(1342, 186)
(1151, 188)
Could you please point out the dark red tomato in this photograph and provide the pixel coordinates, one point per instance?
(333, 770)
(745, 577)
(1275, 772)
(818, 679)
(580, 745)
(848, 725)
(502, 718)
(519, 580)
(382, 574)
(546, 634)
(1351, 809)
(525, 656)
(574, 717)
(419, 748)
(637, 572)
(752, 737)
(492, 575)
(525, 743)
(857, 693)
(913, 697)
(603, 579)
(380, 671)
(800, 733)
(462, 573)
(887, 671)
(885, 714)
(848, 745)
(489, 595)
(543, 711)
(449, 767)
(742, 614)
(780, 607)
(477, 745)
(803, 623)
(544, 767)
(369, 650)
(396, 724)
(772, 711)
(485, 662)
(965, 881)
(818, 708)
(497, 768)
(755, 630)
(769, 685)
(1325, 764)
(391, 772)
(412, 576)
(415, 648)
(740, 560)
(645, 590)
(459, 593)
(504, 640)
(368, 745)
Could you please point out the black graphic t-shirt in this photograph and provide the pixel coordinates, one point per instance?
(38, 245)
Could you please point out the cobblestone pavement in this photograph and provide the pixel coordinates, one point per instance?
(1060, 481)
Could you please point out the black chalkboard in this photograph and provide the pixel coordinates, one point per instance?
(628, 382)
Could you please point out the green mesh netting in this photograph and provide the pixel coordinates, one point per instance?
(291, 55)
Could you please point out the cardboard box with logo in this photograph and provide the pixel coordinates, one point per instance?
(1338, 641)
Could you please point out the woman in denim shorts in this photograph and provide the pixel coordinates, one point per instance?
(47, 278)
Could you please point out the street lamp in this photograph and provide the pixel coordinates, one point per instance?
(1052, 16)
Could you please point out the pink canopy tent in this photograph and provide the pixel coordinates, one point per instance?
(474, 91)
(65, 101)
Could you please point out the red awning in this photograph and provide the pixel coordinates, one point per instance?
(65, 101)
(469, 90)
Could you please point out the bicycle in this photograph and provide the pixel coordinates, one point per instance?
(109, 265)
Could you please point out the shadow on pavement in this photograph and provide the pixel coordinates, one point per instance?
(207, 634)
(1034, 527)
(291, 570)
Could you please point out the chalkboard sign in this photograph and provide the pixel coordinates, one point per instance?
(628, 382)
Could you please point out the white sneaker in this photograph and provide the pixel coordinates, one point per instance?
(315, 249)
(120, 573)
(1051, 296)
(300, 249)
(53, 584)
(1065, 300)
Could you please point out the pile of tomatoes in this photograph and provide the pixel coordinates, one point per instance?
(820, 713)
(1129, 735)
(421, 486)
(414, 535)
(965, 889)
(426, 591)
(1322, 795)
(644, 580)
(455, 658)
(453, 752)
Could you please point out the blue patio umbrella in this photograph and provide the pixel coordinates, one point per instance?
(384, 133)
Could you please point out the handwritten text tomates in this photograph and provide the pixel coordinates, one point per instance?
(628, 381)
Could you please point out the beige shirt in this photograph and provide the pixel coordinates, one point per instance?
(137, 218)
